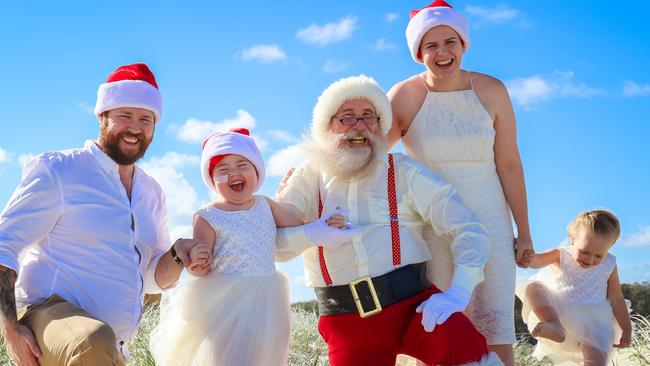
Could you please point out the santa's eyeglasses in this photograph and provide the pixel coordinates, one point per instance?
(351, 121)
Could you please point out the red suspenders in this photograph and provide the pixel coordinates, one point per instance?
(394, 224)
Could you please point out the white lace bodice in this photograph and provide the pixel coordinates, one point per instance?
(454, 134)
(583, 285)
(245, 239)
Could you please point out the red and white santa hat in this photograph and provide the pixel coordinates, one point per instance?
(435, 14)
(353, 87)
(130, 86)
(236, 141)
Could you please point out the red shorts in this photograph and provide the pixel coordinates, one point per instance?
(378, 339)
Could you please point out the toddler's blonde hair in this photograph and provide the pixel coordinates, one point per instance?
(601, 222)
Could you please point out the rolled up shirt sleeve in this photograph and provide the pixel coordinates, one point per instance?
(32, 210)
(301, 191)
(448, 214)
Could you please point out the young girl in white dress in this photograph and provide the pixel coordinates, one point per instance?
(574, 306)
(235, 310)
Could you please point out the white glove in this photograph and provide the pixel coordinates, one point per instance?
(319, 233)
(439, 307)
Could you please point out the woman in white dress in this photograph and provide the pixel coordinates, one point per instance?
(461, 124)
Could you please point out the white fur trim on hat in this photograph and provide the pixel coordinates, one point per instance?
(353, 87)
(129, 93)
(428, 18)
(226, 143)
(491, 359)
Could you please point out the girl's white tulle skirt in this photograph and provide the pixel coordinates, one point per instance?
(224, 320)
(588, 324)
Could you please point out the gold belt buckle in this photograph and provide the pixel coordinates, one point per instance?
(373, 293)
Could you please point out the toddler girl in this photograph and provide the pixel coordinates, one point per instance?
(575, 306)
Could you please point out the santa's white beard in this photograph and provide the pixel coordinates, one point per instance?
(336, 158)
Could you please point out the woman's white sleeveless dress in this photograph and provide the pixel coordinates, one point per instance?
(453, 134)
(239, 313)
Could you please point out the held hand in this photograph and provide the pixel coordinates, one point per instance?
(200, 255)
(524, 252)
(626, 339)
(22, 346)
(320, 233)
(184, 248)
(283, 182)
(439, 307)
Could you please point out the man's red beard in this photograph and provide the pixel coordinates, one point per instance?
(110, 144)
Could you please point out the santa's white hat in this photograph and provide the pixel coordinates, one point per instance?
(236, 141)
(353, 87)
(435, 14)
(130, 86)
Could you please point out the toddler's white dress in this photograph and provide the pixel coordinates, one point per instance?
(579, 296)
(239, 313)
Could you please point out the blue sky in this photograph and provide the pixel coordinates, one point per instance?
(577, 73)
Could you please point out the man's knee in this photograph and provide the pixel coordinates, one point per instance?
(98, 343)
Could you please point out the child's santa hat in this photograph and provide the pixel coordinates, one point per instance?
(435, 14)
(353, 87)
(236, 141)
(130, 86)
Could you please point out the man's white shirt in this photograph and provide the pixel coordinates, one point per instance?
(422, 197)
(91, 245)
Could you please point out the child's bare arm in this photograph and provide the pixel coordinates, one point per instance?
(544, 259)
(201, 255)
(285, 214)
(615, 296)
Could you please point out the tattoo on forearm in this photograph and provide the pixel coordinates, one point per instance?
(7, 295)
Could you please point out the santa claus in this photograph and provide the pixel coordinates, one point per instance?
(374, 299)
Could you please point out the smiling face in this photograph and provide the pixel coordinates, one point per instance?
(442, 50)
(125, 134)
(589, 248)
(235, 178)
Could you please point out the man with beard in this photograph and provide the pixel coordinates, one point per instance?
(373, 296)
(84, 237)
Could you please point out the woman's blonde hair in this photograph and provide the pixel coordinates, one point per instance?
(601, 222)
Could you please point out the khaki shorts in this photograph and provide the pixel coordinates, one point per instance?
(69, 336)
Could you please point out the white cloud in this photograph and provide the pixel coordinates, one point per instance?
(527, 91)
(632, 89)
(298, 280)
(4, 156)
(391, 17)
(265, 53)
(283, 136)
(195, 130)
(182, 199)
(86, 108)
(483, 15)
(328, 33)
(24, 158)
(639, 239)
(383, 45)
(533, 90)
(260, 141)
(334, 66)
(280, 162)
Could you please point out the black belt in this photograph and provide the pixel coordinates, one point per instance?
(367, 296)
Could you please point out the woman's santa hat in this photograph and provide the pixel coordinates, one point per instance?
(130, 86)
(435, 14)
(353, 87)
(236, 141)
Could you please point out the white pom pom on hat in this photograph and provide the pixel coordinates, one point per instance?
(437, 13)
(236, 141)
(337, 93)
